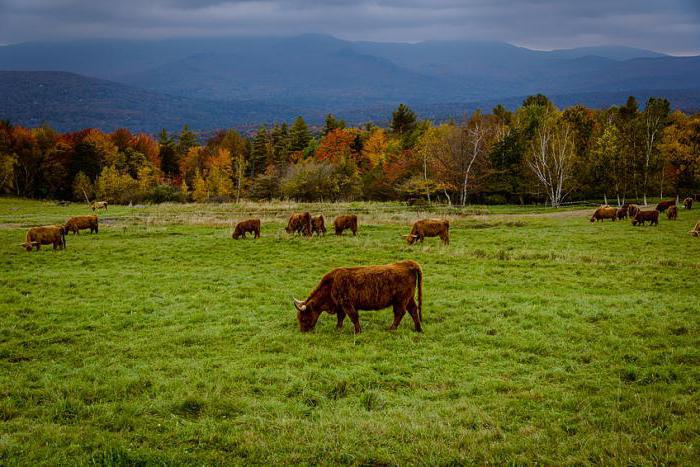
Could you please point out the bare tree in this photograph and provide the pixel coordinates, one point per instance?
(655, 115)
(552, 158)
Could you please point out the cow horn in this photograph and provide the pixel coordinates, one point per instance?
(299, 305)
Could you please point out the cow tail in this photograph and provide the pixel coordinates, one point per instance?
(419, 282)
(63, 237)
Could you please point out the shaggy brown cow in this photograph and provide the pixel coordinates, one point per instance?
(688, 203)
(78, 223)
(604, 212)
(318, 225)
(632, 210)
(663, 205)
(696, 230)
(248, 225)
(672, 213)
(344, 291)
(47, 235)
(299, 223)
(429, 228)
(643, 216)
(622, 212)
(345, 222)
(99, 205)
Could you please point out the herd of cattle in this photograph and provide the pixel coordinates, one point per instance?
(640, 216)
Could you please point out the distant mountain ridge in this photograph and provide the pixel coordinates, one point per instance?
(244, 81)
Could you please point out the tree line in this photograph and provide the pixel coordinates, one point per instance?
(537, 153)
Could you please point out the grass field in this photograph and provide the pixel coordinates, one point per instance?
(161, 340)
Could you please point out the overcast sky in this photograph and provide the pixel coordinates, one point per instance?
(671, 26)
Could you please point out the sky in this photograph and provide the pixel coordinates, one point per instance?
(670, 26)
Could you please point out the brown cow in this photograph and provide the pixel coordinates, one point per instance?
(318, 225)
(643, 216)
(429, 228)
(632, 210)
(696, 230)
(248, 225)
(99, 205)
(78, 223)
(604, 212)
(47, 235)
(663, 205)
(299, 223)
(672, 213)
(622, 212)
(345, 222)
(344, 291)
(688, 203)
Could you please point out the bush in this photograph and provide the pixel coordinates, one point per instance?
(166, 193)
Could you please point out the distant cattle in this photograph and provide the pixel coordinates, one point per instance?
(78, 223)
(247, 226)
(672, 213)
(663, 205)
(632, 210)
(345, 222)
(688, 203)
(299, 223)
(696, 230)
(604, 212)
(646, 216)
(622, 212)
(429, 228)
(47, 235)
(344, 291)
(318, 225)
(99, 205)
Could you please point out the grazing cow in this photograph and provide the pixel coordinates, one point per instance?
(318, 225)
(248, 225)
(672, 213)
(345, 222)
(344, 291)
(429, 228)
(299, 223)
(99, 205)
(663, 205)
(78, 223)
(622, 212)
(604, 212)
(696, 230)
(643, 216)
(688, 203)
(47, 235)
(632, 210)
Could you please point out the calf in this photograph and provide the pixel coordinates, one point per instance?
(99, 205)
(299, 223)
(345, 222)
(47, 235)
(429, 228)
(672, 213)
(318, 225)
(688, 203)
(604, 212)
(78, 223)
(344, 291)
(696, 230)
(643, 216)
(246, 226)
(663, 205)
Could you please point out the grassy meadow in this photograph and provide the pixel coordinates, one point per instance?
(161, 340)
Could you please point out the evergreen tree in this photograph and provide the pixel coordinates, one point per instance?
(187, 140)
(332, 123)
(280, 145)
(299, 135)
(539, 99)
(259, 152)
(403, 119)
(169, 159)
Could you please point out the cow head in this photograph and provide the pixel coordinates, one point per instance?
(236, 234)
(28, 245)
(411, 239)
(306, 315)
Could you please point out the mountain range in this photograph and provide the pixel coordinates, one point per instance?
(242, 82)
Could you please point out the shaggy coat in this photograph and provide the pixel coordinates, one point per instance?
(688, 203)
(345, 222)
(696, 230)
(429, 228)
(643, 216)
(78, 223)
(672, 213)
(604, 212)
(632, 210)
(99, 205)
(47, 235)
(344, 291)
(622, 213)
(299, 223)
(246, 226)
(663, 205)
(318, 225)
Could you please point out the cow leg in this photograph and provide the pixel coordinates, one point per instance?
(413, 311)
(340, 314)
(354, 317)
(399, 311)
